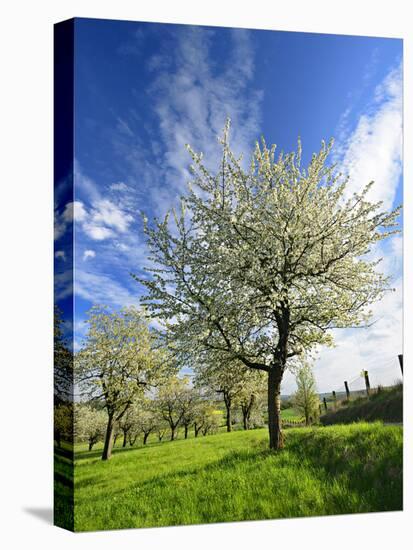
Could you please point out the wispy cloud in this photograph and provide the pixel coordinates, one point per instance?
(99, 288)
(194, 96)
(373, 149)
(192, 93)
(119, 186)
(63, 285)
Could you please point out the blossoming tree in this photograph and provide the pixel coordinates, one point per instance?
(259, 264)
(118, 362)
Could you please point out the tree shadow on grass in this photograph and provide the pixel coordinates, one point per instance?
(228, 461)
(84, 455)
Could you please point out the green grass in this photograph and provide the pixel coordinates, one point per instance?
(232, 477)
(291, 414)
(63, 486)
(387, 406)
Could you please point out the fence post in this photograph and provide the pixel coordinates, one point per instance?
(319, 406)
(347, 390)
(325, 403)
(366, 379)
(401, 361)
(334, 399)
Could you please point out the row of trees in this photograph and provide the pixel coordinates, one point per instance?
(151, 416)
(175, 405)
(128, 384)
(129, 387)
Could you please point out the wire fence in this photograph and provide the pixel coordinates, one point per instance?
(363, 384)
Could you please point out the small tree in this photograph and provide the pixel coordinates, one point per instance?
(129, 423)
(249, 396)
(161, 425)
(147, 420)
(192, 400)
(227, 381)
(174, 401)
(211, 422)
(206, 418)
(260, 263)
(89, 424)
(63, 363)
(63, 424)
(306, 399)
(117, 363)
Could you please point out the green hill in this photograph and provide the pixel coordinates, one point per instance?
(233, 477)
(386, 405)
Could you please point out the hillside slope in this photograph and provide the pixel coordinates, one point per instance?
(233, 477)
(386, 406)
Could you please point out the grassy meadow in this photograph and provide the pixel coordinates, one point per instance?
(234, 477)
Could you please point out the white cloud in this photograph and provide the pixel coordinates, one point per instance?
(373, 151)
(374, 349)
(122, 246)
(63, 284)
(72, 211)
(119, 186)
(103, 218)
(88, 254)
(97, 232)
(60, 254)
(193, 97)
(107, 213)
(397, 246)
(99, 288)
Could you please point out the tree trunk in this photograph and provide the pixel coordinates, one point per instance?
(274, 407)
(91, 445)
(245, 418)
(115, 439)
(145, 437)
(172, 433)
(125, 438)
(196, 430)
(107, 448)
(186, 431)
(132, 440)
(229, 418)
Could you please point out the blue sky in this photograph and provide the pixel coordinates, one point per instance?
(143, 90)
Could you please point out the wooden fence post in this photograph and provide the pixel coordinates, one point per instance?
(366, 379)
(325, 403)
(401, 361)
(347, 390)
(334, 399)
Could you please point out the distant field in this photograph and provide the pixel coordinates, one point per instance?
(232, 477)
(291, 414)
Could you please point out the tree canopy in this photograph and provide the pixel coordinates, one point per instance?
(118, 362)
